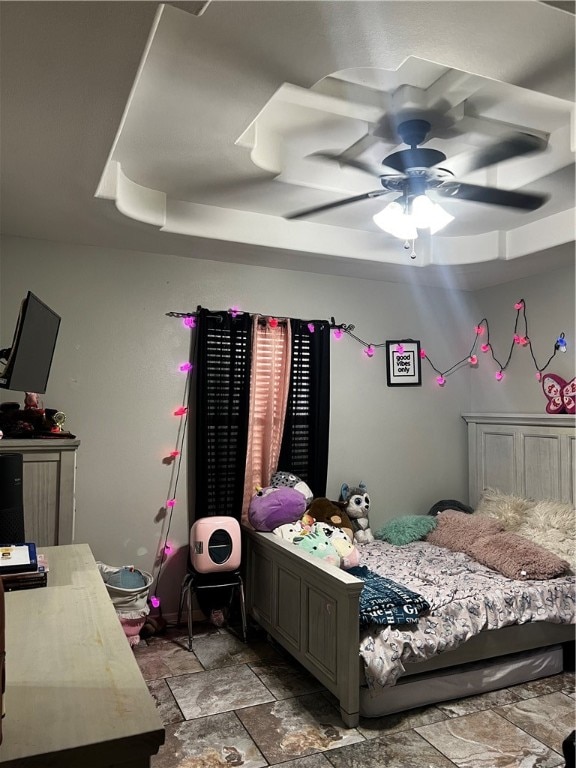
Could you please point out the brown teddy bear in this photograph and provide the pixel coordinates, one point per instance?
(332, 512)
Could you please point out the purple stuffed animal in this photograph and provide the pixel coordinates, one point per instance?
(272, 507)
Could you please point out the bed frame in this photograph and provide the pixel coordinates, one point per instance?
(311, 609)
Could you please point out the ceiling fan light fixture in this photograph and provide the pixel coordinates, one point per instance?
(394, 220)
(429, 215)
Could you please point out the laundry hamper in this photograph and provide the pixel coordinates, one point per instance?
(128, 588)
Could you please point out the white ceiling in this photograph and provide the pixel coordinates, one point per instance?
(146, 104)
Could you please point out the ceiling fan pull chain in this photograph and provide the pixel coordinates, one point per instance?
(407, 247)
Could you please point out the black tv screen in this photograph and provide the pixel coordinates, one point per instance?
(29, 360)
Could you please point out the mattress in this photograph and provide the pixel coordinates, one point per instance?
(465, 597)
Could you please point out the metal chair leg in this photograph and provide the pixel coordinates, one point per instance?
(242, 608)
(190, 628)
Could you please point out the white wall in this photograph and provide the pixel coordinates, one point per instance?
(115, 374)
(549, 300)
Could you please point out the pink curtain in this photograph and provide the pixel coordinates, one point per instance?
(269, 385)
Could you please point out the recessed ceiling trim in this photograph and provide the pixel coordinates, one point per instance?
(196, 220)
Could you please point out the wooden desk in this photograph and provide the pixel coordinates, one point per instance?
(75, 697)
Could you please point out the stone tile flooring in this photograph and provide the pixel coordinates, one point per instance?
(250, 705)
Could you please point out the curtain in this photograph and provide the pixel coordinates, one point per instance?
(222, 400)
(269, 384)
(304, 448)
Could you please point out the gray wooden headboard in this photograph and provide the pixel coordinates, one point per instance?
(528, 455)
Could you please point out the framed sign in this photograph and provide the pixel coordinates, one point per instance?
(403, 363)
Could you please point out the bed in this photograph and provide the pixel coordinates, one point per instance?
(312, 609)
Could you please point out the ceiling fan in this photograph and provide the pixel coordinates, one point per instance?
(415, 171)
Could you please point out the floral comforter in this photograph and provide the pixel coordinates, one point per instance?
(465, 598)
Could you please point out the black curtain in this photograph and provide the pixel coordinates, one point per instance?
(304, 448)
(223, 355)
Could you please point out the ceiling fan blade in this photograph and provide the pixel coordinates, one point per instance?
(338, 203)
(516, 145)
(373, 170)
(477, 194)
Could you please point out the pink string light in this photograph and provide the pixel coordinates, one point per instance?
(185, 367)
(174, 454)
(485, 347)
(499, 375)
(182, 411)
(440, 380)
(311, 327)
(519, 305)
(399, 349)
(155, 601)
(273, 322)
(473, 360)
(369, 351)
(189, 322)
(338, 333)
(234, 311)
(423, 354)
(171, 503)
(479, 330)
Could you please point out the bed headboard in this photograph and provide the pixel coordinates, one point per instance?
(528, 455)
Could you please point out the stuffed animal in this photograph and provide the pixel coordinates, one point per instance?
(272, 507)
(325, 511)
(349, 554)
(289, 531)
(329, 544)
(357, 506)
(319, 545)
(289, 480)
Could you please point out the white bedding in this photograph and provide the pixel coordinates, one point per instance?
(465, 598)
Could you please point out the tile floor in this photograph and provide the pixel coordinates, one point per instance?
(250, 705)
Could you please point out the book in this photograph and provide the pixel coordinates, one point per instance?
(13, 582)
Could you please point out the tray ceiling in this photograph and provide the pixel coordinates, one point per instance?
(187, 128)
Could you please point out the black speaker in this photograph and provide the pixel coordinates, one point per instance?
(11, 502)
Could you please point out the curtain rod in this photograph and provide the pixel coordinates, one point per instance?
(234, 312)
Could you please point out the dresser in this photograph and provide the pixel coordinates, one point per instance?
(48, 488)
(75, 697)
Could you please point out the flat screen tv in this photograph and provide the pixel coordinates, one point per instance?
(29, 359)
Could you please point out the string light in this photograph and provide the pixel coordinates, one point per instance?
(171, 503)
(518, 339)
(561, 343)
(185, 367)
(182, 411)
(189, 321)
(154, 601)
